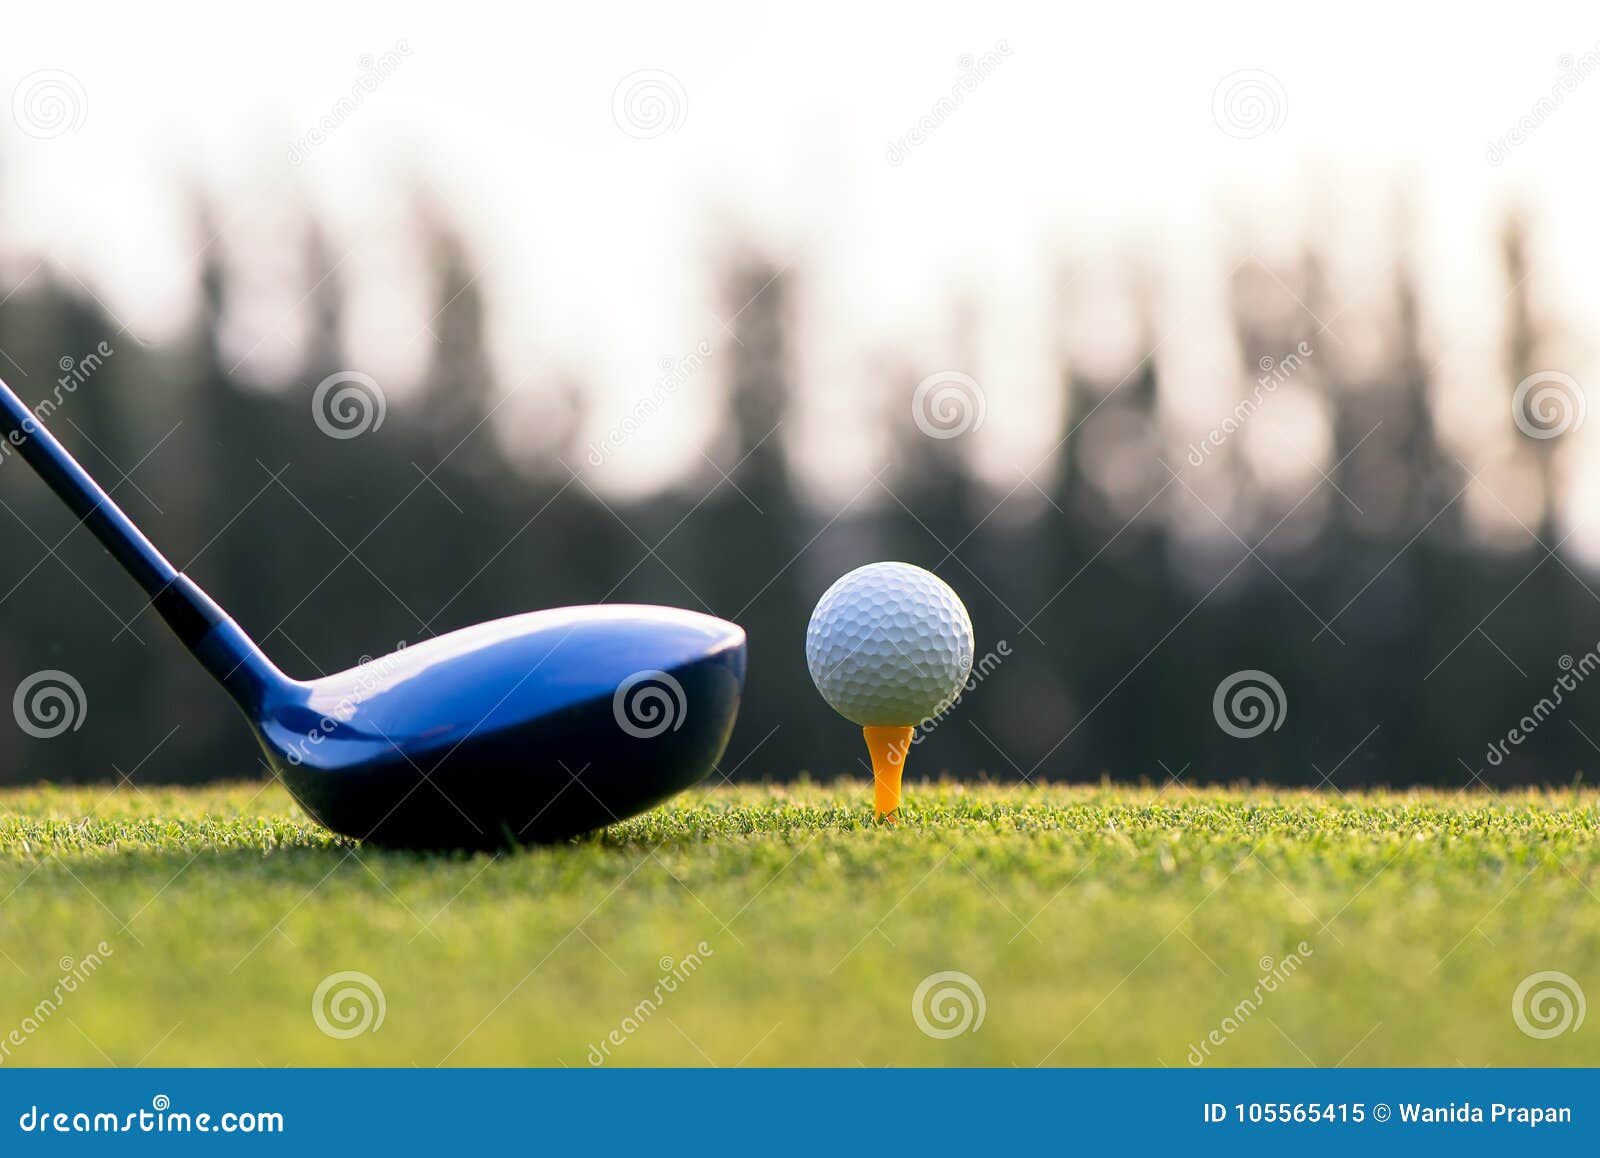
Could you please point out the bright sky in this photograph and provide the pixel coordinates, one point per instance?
(1096, 133)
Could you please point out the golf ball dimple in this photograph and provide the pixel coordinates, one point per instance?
(889, 645)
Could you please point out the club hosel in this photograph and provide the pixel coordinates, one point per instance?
(217, 641)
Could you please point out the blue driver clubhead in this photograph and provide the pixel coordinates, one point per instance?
(528, 729)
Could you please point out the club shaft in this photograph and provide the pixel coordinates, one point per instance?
(196, 619)
(26, 435)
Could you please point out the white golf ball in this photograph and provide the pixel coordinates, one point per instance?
(889, 645)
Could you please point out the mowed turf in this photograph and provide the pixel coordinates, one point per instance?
(1114, 926)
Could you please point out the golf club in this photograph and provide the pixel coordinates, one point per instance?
(527, 729)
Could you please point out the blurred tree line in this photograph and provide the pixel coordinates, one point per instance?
(1404, 644)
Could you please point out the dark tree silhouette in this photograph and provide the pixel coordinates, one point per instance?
(1124, 582)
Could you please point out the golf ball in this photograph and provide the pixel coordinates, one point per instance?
(889, 645)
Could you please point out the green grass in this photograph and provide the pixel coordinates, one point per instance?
(1104, 925)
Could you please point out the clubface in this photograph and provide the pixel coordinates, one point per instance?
(522, 730)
